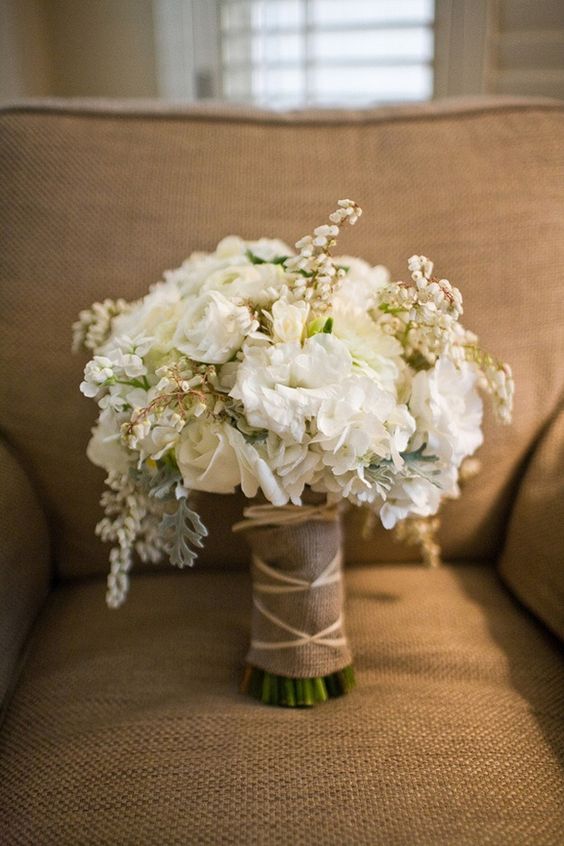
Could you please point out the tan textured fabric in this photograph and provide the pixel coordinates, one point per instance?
(97, 204)
(130, 730)
(301, 552)
(24, 562)
(532, 563)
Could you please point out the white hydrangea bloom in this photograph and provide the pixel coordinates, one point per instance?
(448, 410)
(281, 386)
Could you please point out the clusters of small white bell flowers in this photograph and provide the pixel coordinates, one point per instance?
(317, 275)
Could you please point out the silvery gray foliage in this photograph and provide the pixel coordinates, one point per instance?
(162, 484)
(180, 528)
(181, 531)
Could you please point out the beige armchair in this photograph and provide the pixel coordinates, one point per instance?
(126, 727)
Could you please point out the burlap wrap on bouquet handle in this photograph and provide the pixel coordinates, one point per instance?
(297, 618)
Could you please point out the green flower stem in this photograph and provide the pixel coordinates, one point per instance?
(287, 692)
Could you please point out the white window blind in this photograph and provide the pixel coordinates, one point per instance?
(293, 53)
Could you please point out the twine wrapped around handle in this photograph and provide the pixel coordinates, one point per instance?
(297, 619)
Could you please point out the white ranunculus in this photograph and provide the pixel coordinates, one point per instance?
(147, 316)
(448, 410)
(269, 248)
(230, 246)
(265, 248)
(259, 283)
(255, 471)
(212, 328)
(289, 320)
(282, 386)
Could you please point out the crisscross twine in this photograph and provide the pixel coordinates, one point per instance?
(296, 568)
(290, 584)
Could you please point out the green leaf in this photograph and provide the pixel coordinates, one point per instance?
(388, 309)
(417, 455)
(182, 530)
(254, 259)
(320, 325)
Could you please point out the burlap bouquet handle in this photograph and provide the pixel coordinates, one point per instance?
(297, 619)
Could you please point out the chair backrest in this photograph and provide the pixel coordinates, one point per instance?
(98, 199)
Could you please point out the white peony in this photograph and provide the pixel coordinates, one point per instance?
(448, 410)
(212, 328)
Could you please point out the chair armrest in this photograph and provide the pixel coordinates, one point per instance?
(24, 562)
(532, 562)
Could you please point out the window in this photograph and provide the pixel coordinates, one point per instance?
(292, 53)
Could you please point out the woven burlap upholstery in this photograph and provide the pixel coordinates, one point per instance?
(24, 562)
(533, 569)
(126, 727)
(98, 203)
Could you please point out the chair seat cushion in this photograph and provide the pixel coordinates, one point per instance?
(127, 727)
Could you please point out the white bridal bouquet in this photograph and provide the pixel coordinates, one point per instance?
(304, 379)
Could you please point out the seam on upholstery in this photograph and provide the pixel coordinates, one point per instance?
(521, 473)
(231, 115)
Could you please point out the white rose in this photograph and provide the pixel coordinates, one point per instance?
(215, 457)
(206, 459)
(212, 328)
(289, 320)
(448, 409)
(230, 246)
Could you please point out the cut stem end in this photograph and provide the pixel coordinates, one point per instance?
(285, 692)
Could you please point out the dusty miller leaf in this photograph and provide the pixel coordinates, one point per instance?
(181, 531)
